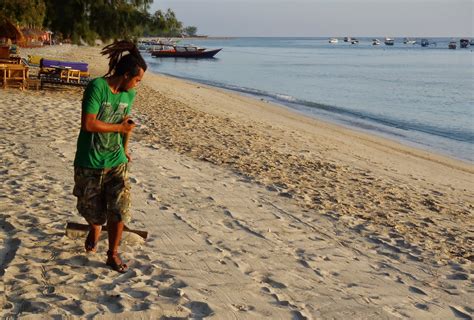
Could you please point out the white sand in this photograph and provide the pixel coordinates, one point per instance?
(253, 213)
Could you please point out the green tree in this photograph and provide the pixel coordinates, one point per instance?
(87, 20)
(190, 31)
(29, 13)
(90, 19)
(165, 24)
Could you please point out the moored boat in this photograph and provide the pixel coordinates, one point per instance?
(152, 44)
(424, 42)
(464, 43)
(347, 39)
(333, 40)
(389, 41)
(409, 41)
(452, 45)
(375, 42)
(173, 51)
(354, 41)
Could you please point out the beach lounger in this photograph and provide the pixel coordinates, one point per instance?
(81, 66)
(34, 60)
(63, 72)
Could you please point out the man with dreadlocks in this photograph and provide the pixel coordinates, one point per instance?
(100, 166)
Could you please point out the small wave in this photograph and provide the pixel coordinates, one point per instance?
(285, 97)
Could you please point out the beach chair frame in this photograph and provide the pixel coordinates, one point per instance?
(63, 73)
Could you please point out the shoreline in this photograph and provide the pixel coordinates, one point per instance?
(253, 211)
(346, 123)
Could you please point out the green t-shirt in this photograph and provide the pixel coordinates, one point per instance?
(103, 150)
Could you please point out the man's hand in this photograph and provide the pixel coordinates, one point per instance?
(127, 125)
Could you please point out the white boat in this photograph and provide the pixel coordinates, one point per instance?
(347, 39)
(152, 44)
(375, 42)
(409, 41)
(389, 41)
(333, 40)
(354, 41)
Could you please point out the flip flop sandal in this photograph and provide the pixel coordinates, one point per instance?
(115, 262)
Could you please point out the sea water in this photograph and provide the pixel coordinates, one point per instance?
(420, 96)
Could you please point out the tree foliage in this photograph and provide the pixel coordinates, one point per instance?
(164, 24)
(87, 20)
(190, 31)
(29, 13)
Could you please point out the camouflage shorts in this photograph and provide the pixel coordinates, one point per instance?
(103, 194)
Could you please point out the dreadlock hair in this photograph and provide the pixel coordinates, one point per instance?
(120, 64)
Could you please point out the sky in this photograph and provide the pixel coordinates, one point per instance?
(318, 18)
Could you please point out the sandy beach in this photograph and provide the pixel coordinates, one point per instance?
(254, 212)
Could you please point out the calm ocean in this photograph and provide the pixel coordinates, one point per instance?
(423, 97)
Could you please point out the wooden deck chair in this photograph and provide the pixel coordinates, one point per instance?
(71, 75)
(14, 75)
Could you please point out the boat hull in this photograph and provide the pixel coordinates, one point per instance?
(185, 54)
(464, 43)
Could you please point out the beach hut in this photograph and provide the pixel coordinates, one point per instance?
(9, 33)
(35, 37)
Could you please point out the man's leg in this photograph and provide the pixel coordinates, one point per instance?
(90, 203)
(115, 229)
(118, 205)
(93, 237)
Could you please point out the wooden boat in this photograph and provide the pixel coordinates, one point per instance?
(184, 52)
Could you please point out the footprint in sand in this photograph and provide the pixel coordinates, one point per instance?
(170, 292)
(458, 276)
(416, 290)
(199, 309)
(112, 302)
(273, 283)
(460, 313)
(242, 307)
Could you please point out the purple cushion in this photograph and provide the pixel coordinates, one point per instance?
(82, 66)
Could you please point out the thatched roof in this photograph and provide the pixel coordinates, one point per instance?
(9, 30)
